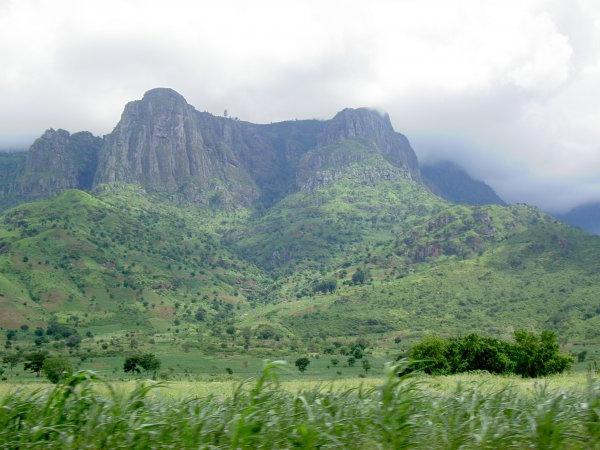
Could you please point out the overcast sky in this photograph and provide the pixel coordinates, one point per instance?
(508, 89)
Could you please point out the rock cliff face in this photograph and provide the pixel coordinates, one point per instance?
(58, 161)
(357, 159)
(164, 144)
(376, 129)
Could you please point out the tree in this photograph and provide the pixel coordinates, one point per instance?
(131, 364)
(302, 363)
(351, 361)
(150, 363)
(35, 361)
(429, 355)
(325, 286)
(57, 368)
(360, 276)
(539, 355)
(334, 362)
(143, 361)
(531, 355)
(73, 341)
(11, 359)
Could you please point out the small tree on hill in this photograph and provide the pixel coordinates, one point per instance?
(34, 362)
(361, 276)
(11, 360)
(302, 363)
(145, 361)
(57, 368)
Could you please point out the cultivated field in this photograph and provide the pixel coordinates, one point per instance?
(466, 411)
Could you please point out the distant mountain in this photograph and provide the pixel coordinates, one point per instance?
(450, 181)
(164, 144)
(586, 217)
(199, 231)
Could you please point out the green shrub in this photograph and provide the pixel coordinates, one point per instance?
(431, 356)
(539, 355)
(530, 355)
(325, 286)
(57, 368)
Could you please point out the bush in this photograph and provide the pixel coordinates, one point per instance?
(431, 356)
(34, 362)
(57, 368)
(302, 363)
(361, 276)
(143, 361)
(325, 286)
(537, 356)
(530, 355)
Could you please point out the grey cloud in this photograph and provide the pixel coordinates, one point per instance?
(532, 138)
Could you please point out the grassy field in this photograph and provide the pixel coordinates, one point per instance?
(293, 382)
(467, 411)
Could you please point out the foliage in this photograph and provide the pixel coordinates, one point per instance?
(302, 363)
(326, 286)
(530, 355)
(539, 355)
(397, 414)
(143, 361)
(34, 362)
(56, 368)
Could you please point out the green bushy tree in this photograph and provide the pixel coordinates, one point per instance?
(539, 355)
(302, 363)
(35, 361)
(56, 368)
(530, 355)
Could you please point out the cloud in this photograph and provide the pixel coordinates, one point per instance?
(508, 89)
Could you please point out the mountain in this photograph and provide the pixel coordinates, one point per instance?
(586, 217)
(12, 166)
(192, 231)
(58, 161)
(166, 145)
(453, 183)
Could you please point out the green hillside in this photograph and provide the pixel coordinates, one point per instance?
(361, 252)
(118, 259)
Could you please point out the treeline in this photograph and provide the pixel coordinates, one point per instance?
(529, 355)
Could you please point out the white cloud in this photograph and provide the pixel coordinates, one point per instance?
(510, 89)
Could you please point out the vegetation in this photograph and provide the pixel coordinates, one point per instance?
(56, 368)
(302, 363)
(123, 271)
(400, 413)
(144, 361)
(530, 355)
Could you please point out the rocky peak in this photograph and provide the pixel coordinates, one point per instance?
(375, 128)
(360, 122)
(59, 160)
(163, 143)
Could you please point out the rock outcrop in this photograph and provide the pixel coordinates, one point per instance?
(57, 161)
(164, 144)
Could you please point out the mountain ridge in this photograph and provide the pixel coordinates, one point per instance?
(295, 234)
(165, 144)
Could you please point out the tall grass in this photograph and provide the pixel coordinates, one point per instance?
(398, 414)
